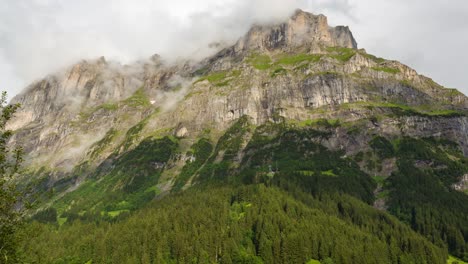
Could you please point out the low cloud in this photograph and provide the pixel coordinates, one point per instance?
(38, 37)
(179, 87)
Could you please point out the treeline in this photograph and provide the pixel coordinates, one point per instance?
(420, 190)
(422, 197)
(316, 179)
(245, 224)
(277, 154)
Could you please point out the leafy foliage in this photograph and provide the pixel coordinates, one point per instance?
(10, 196)
(453, 260)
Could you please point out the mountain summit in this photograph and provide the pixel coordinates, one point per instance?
(295, 105)
(303, 30)
(291, 70)
(294, 70)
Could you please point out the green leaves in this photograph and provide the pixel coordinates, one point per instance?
(10, 197)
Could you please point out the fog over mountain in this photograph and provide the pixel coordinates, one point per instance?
(38, 37)
(235, 132)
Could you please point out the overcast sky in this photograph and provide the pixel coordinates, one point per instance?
(38, 37)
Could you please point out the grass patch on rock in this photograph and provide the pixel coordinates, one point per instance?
(340, 53)
(298, 58)
(260, 62)
(386, 69)
(138, 99)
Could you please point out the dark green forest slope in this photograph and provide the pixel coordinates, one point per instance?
(245, 224)
(288, 199)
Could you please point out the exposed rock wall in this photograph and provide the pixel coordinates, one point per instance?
(65, 114)
(302, 29)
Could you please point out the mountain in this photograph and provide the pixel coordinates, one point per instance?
(291, 112)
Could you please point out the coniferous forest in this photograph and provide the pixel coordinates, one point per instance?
(292, 201)
(244, 224)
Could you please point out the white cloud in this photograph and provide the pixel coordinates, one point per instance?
(428, 35)
(38, 37)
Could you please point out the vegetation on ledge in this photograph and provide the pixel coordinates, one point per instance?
(386, 69)
(340, 53)
(260, 62)
(138, 99)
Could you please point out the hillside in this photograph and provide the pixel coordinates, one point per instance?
(250, 224)
(291, 112)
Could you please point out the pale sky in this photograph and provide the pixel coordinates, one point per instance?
(39, 37)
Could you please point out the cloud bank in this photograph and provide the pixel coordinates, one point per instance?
(38, 37)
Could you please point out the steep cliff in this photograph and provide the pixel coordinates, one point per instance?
(138, 130)
(302, 31)
(299, 70)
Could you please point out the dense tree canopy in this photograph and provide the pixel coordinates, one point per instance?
(10, 159)
(280, 197)
(244, 224)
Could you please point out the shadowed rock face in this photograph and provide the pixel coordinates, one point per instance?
(65, 114)
(302, 29)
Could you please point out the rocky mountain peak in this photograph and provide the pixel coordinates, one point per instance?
(286, 70)
(294, 105)
(303, 29)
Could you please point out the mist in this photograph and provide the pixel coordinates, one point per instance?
(39, 37)
(179, 89)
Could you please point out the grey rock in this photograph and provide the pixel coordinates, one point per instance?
(66, 114)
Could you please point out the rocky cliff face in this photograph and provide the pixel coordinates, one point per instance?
(303, 30)
(59, 113)
(86, 84)
(294, 105)
(294, 72)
